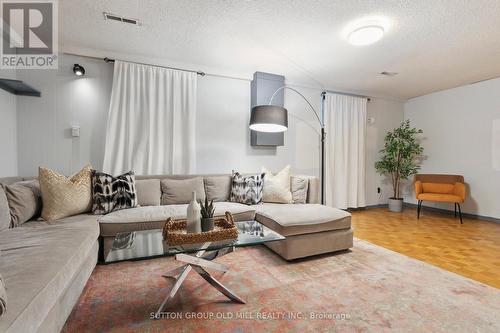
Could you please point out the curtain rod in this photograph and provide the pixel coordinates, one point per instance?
(346, 94)
(109, 60)
(200, 73)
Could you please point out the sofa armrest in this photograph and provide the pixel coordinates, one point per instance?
(459, 189)
(418, 188)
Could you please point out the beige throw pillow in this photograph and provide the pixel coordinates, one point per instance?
(299, 187)
(25, 201)
(277, 187)
(63, 196)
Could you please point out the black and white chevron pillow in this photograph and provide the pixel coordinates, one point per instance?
(247, 189)
(112, 193)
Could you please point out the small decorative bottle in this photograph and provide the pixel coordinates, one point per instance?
(193, 215)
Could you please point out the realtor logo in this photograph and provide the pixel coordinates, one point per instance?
(29, 34)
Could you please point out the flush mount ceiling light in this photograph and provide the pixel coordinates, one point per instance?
(366, 35)
(78, 70)
(366, 30)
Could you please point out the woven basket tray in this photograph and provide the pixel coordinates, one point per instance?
(174, 231)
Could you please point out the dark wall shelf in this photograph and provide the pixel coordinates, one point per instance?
(17, 87)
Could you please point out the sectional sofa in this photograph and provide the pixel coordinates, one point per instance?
(45, 265)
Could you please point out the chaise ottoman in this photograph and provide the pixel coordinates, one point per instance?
(310, 229)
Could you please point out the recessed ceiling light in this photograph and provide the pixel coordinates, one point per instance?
(366, 35)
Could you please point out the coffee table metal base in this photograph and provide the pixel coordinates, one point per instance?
(201, 260)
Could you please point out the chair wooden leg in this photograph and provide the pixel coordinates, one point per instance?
(419, 207)
(455, 209)
(460, 213)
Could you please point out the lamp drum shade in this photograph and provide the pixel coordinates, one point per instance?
(269, 118)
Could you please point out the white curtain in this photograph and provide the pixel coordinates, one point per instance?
(151, 125)
(345, 121)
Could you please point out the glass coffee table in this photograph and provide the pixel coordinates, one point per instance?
(198, 257)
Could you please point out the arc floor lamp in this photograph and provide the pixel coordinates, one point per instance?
(274, 118)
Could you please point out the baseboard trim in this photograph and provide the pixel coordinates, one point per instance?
(366, 207)
(434, 209)
(451, 212)
(377, 206)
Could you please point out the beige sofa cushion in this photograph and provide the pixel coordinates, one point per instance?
(63, 196)
(38, 263)
(297, 219)
(178, 191)
(4, 210)
(154, 217)
(148, 192)
(25, 201)
(298, 187)
(218, 188)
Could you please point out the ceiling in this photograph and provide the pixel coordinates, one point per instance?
(432, 44)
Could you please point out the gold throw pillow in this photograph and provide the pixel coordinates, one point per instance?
(63, 196)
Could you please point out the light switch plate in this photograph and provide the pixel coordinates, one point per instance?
(75, 131)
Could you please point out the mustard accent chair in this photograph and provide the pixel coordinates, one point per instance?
(440, 188)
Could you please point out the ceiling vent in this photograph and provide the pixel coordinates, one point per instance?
(114, 17)
(388, 73)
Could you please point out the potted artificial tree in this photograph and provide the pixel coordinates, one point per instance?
(400, 159)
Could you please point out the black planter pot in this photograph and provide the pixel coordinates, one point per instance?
(207, 224)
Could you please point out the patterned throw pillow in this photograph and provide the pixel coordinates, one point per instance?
(247, 189)
(112, 193)
(63, 196)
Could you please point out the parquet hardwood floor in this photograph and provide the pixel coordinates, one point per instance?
(471, 249)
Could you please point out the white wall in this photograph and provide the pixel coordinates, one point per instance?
(458, 139)
(8, 129)
(387, 114)
(223, 138)
(44, 136)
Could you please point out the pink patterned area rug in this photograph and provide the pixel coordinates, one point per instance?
(368, 289)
